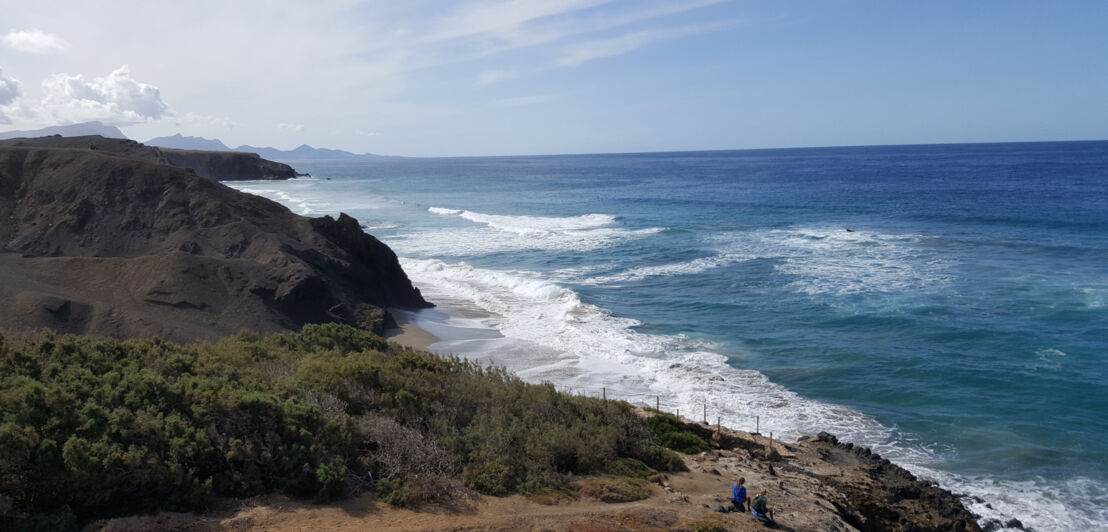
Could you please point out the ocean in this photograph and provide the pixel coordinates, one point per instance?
(945, 305)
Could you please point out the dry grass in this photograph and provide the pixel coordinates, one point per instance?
(614, 489)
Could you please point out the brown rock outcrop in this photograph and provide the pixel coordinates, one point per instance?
(864, 491)
(115, 241)
(218, 165)
(228, 165)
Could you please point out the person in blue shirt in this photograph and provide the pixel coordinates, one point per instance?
(738, 496)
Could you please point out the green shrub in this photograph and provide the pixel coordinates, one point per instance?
(614, 489)
(388, 491)
(684, 442)
(419, 489)
(491, 478)
(91, 427)
(332, 483)
(672, 434)
(628, 467)
(707, 526)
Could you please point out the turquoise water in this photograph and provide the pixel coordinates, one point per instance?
(945, 305)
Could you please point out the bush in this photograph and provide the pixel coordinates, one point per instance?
(628, 467)
(490, 478)
(388, 491)
(421, 489)
(707, 526)
(91, 428)
(332, 483)
(672, 434)
(614, 489)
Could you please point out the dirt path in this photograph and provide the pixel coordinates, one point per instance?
(815, 484)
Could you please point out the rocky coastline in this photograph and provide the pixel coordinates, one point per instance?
(109, 237)
(217, 165)
(105, 237)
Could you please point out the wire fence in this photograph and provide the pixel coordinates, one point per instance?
(767, 441)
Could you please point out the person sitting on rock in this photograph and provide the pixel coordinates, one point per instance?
(738, 496)
(758, 506)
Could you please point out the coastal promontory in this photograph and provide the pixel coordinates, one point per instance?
(212, 164)
(107, 237)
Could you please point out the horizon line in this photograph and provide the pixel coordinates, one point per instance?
(830, 146)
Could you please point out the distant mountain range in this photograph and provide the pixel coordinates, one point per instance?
(181, 142)
(301, 153)
(72, 130)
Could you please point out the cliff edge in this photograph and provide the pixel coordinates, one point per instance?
(217, 165)
(115, 241)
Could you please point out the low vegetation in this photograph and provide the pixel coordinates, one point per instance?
(93, 427)
(703, 525)
(672, 433)
(614, 489)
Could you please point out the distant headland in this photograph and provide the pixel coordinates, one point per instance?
(110, 237)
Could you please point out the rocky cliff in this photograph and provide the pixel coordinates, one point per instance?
(115, 241)
(228, 165)
(218, 165)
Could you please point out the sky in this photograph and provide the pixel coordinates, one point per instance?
(507, 77)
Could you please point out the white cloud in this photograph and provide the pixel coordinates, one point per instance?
(290, 127)
(476, 30)
(489, 77)
(10, 90)
(35, 41)
(115, 99)
(501, 19)
(361, 61)
(583, 52)
(367, 133)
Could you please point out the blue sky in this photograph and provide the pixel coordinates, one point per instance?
(485, 77)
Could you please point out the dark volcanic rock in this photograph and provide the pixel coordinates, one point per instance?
(115, 241)
(228, 165)
(889, 497)
(218, 165)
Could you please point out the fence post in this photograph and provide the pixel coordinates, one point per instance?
(604, 393)
(757, 424)
(719, 426)
(705, 413)
(658, 403)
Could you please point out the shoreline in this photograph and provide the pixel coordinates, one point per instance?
(453, 328)
(408, 333)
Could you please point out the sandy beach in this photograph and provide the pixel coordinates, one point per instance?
(408, 333)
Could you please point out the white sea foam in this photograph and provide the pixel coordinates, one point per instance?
(1050, 353)
(299, 205)
(1077, 504)
(691, 267)
(550, 334)
(379, 226)
(546, 333)
(819, 261)
(498, 234)
(1047, 358)
(844, 262)
(531, 224)
(1095, 297)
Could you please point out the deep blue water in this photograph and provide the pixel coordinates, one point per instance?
(945, 304)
